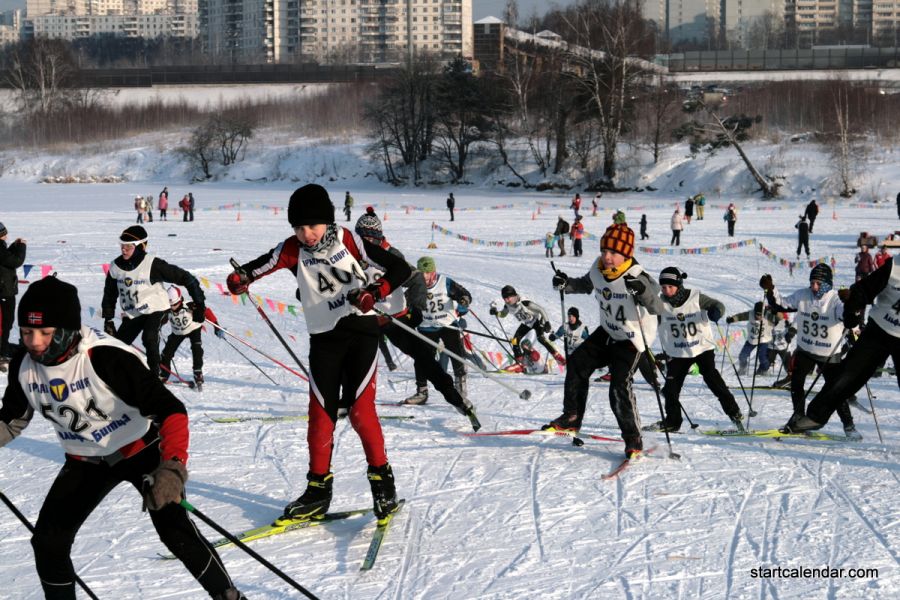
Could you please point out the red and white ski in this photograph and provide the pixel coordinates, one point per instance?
(627, 463)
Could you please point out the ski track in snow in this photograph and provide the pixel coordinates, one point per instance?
(495, 518)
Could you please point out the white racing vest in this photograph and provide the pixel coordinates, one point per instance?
(573, 336)
(395, 301)
(619, 315)
(685, 329)
(440, 309)
(818, 322)
(886, 310)
(90, 420)
(137, 296)
(522, 313)
(182, 321)
(325, 278)
(754, 336)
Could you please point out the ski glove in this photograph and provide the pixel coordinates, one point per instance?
(546, 327)
(560, 280)
(165, 485)
(220, 333)
(493, 311)
(109, 328)
(552, 337)
(365, 298)
(729, 320)
(714, 314)
(238, 283)
(635, 286)
(791, 332)
(462, 323)
(766, 283)
(199, 314)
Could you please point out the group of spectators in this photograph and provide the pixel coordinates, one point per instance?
(143, 205)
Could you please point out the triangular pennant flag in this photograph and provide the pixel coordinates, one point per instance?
(271, 303)
(292, 309)
(234, 299)
(221, 289)
(26, 269)
(45, 270)
(205, 282)
(281, 306)
(91, 311)
(105, 268)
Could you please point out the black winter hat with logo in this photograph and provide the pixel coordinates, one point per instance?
(310, 205)
(50, 302)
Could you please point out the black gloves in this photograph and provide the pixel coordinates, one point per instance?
(635, 286)
(552, 337)
(220, 333)
(791, 332)
(852, 318)
(493, 310)
(109, 328)
(198, 314)
(766, 283)
(546, 326)
(560, 280)
(714, 314)
(729, 320)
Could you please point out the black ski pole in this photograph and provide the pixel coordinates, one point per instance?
(752, 412)
(234, 540)
(488, 329)
(874, 416)
(662, 414)
(484, 335)
(30, 527)
(562, 308)
(819, 371)
(762, 324)
(247, 358)
(238, 269)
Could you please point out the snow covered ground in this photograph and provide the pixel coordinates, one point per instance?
(486, 517)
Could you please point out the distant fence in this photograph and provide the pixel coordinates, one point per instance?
(766, 60)
(224, 74)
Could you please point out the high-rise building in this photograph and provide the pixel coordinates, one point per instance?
(346, 30)
(71, 19)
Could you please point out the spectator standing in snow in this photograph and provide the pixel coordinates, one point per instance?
(451, 204)
(185, 205)
(191, 205)
(644, 235)
(700, 204)
(348, 204)
(865, 264)
(803, 229)
(577, 234)
(882, 256)
(148, 207)
(139, 208)
(562, 228)
(731, 218)
(163, 204)
(812, 211)
(677, 226)
(576, 204)
(688, 210)
(11, 258)
(549, 242)
(596, 203)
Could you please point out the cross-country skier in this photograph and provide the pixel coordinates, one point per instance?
(337, 299)
(181, 320)
(821, 321)
(628, 299)
(759, 336)
(118, 424)
(573, 331)
(407, 307)
(137, 279)
(532, 361)
(531, 317)
(445, 301)
(687, 339)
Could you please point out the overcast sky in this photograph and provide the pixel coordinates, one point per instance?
(480, 8)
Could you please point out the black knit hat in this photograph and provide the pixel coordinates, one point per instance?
(573, 312)
(369, 225)
(50, 302)
(821, 272)
(508, 291)
(134, 235)
(310, 205)
(672, 276)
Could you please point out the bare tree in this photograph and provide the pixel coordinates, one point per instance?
(231, 133)
(41, 71)
(200, 150)
(614, 32)
(657, 112)
(841, 141)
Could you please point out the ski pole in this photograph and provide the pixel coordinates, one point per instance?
(662, 414)
(762, 323)
(30, 527)
(819, 371)
(488, 329)
(874, 416)
(506, 335)
(752, 412)
(190, 384)
(234, 540)
(524, 394)
(262, 313)
(484, 335)
(724, 345)
(562, 308)
(247, 358)
(252, 347)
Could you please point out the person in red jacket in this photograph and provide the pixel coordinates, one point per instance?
(163, 204)
(881, 256)
(338, 300)
(576, 205)
(577, 234)
(185, 205)
(118, 424)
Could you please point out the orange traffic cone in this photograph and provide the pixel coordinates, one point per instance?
(239, 216)
(533, 216)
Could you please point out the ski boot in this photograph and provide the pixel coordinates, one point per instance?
(314, 502)
(421, 395)
(466, 409)
(789, 426)
(851, 432)
(783, 383)
(742, 371)
(738, 421)
(662, 426)
(198, 380)
(164, 377)
(384, 494)
(762, 372)
(634, 447)
(564, 422)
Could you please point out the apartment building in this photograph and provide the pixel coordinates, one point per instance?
(72, 19)
(348, 30)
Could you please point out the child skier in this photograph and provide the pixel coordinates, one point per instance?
(531, 316)
(181, 320)
(337, 300)
(573, 331)
(759, 336)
